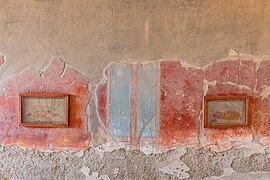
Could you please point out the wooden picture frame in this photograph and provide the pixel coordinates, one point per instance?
(43, 110)
(226, 111)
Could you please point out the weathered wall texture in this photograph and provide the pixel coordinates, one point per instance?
(91, 34)
(168, 106)
(57, 78)
(137, 71)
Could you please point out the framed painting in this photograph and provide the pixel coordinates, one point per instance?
(44, 110)
(226, 111)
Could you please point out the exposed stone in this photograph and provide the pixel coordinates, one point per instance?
(18, 163)
(254, 163)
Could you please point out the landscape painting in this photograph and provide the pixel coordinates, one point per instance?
(45, 110)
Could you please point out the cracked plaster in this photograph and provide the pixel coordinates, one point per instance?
(91, 34)
(232, 81)
(100, 31)
(111, 159)
(176, 163)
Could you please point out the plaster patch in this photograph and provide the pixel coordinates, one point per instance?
(233, 52)
(80, 154)
(258, 62)
(206, 85)
(252, 148)
(247, 176)
(233, 55)
(265, 93)
(85, 171)
(108, 147)
(148, 146)
(227, 172)
(176, 168)
(234, 84)
(94, 175)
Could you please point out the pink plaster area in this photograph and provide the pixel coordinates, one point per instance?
(181, 91)
(57, 78)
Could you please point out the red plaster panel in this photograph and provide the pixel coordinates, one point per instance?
(232, 78)
(223, 71)
(56, 79)
(238, 72)
(261, 116)
(262, 105)
(181, 92)
(224, 139)
(263, 75)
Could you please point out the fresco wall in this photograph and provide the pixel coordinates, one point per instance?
(152, 106)
(136, 72)
(57, 78)
(169, 102)
(155, 107)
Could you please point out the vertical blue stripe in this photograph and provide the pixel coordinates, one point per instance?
(119, 99)
(147, 100)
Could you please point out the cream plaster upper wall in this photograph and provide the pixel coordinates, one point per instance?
(88, 34)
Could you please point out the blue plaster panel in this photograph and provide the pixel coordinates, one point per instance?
(119, 99)
(147, 100)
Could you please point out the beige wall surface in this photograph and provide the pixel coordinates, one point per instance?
(89, 34)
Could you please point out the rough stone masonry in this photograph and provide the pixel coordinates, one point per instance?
(136, 72)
